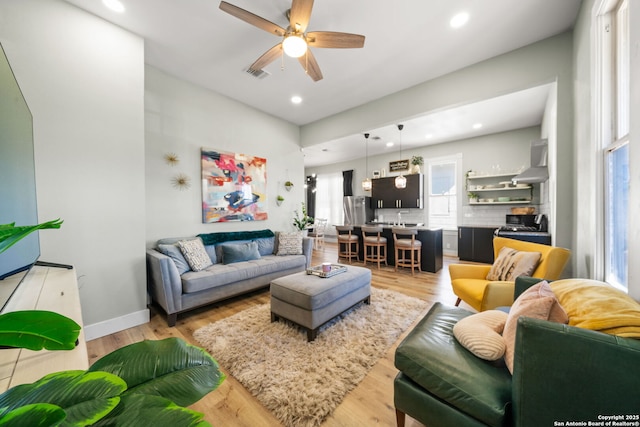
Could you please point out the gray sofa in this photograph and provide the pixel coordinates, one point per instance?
(176, 288)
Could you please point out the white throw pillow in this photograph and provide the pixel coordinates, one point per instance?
(480, 333)
(290, 243)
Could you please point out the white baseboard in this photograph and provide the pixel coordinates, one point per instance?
(111, 326)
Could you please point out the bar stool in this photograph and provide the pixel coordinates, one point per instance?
(319, 228)
(371, 238)
(408, 247)
(349, 241)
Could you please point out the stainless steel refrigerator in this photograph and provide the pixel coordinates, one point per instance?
(357, 210)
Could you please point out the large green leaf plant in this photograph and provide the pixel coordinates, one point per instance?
(148, 383)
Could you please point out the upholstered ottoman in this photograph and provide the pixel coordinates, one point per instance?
(311, 301)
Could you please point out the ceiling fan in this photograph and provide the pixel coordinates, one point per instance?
(295, 40)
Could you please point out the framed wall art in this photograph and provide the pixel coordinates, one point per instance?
(234, 187)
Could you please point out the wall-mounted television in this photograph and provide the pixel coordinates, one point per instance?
(17, 175)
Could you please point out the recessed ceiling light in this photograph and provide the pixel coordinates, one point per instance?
(459, 20)
(429, 136)
(114, 5)
(296, 99)
(390, 144)
(477, 125)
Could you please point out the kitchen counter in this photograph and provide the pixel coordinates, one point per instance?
(431, 239)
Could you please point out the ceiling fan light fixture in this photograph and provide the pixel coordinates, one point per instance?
(294, 45)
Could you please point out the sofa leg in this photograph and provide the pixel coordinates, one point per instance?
(458, 302)
(400, 416)
(172, 319)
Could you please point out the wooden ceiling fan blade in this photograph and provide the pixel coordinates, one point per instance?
(267, 58)
(300, 14)
(331, 39)
(253, 19)
(310, 65)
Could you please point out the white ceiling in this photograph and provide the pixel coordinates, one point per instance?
(407, 42)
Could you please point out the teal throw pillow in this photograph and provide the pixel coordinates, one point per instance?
(237, 252)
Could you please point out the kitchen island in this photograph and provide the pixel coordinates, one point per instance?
(431, 239)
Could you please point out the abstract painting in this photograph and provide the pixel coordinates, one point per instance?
(234, 187)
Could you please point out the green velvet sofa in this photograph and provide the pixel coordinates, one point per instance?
(563, 376)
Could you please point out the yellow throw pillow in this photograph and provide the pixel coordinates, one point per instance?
(512, 263)
(537, 302)
(598, 306)
(480, 334)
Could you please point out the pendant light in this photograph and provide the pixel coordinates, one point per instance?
(401, 181)
(366, 182)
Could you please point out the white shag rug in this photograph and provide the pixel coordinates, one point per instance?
(302, 382)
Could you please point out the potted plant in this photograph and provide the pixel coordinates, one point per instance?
(145, 383)
(416, 162)
(288, 185)
(279, 200)
(473, 197)
(302, 222)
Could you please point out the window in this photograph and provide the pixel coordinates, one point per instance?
(443, 192)
(329, 197)
(613, 135)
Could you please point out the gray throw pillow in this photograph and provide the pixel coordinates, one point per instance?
(237, 252)
(173, 252)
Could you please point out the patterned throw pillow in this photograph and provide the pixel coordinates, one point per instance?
(512, 263)
(195, 254)
(290, 243)
(480, 333)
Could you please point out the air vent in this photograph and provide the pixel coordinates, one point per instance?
(258, 74)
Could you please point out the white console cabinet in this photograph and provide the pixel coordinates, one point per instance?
(44, 288)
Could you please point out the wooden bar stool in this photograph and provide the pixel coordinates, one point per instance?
(372, 239)
(347, 242)
(408, 249)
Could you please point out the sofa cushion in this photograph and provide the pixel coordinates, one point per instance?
(290, 243)
(481, 334)
(224, 274)
(237, 252)
(599, 306)
(173, 252)
(265, 245)
(195, 254)
(512, 263)
(538, 302)
(431, 357)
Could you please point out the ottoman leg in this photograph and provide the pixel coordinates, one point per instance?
(274, 317)
(312, 334)
(367, 300)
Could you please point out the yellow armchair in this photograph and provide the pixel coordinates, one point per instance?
(470, 284)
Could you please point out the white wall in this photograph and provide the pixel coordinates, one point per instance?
(83, 80)
(547, 61)
(588, 198)
(510, 150)
(181, 118)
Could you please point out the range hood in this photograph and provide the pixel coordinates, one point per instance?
(538, 171)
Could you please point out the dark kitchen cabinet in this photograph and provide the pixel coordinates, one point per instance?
(431, 239)
(385, 194)
(476, 244)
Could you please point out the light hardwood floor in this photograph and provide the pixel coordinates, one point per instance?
(369, 404)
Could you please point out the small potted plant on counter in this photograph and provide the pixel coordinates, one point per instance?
(473, 197)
